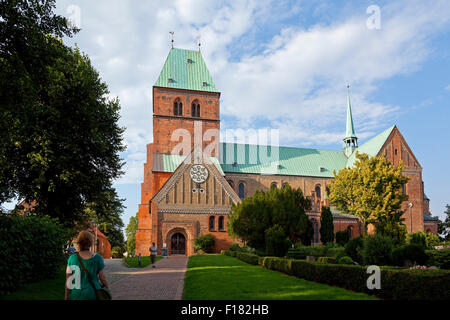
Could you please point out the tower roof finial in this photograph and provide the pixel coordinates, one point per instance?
(171, 32)
(199, 44)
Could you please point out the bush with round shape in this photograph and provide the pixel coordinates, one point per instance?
(377, 250)
(345, 260)
(409, 252)
(354, 248)
(205, 243)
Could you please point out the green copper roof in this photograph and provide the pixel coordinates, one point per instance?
(371, 147)
(292, 161)
(350, 129)
(170, 162)
(250, 159)
(185, 69)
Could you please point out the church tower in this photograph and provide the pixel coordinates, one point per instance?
(185, 100)
(350, 140)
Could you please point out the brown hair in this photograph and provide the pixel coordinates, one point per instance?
(85, 240)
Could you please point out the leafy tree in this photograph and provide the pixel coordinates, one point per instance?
(60, 139)
(444, 226)
(106, 213)
(286, 207)
(326, 226)
(342, 238)
(130, 232)
(371, 190)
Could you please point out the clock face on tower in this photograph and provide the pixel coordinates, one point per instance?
(198, 173)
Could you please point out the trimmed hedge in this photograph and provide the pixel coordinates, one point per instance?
(31, 249)
(439, 258)
(326, 260)
(247, 257)
(296, 253)
(345, 260)
(397, 284)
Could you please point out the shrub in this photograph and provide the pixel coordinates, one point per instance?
(205, 243)
(417, 238)
(276, 241)
(342, 238)
(234, 247)
(398, 284)
(31, 249)
(335, 252)
(117, 252)
(377, 250)
(412, 252)
(326, 226)
(247, 257)
(345, 260)
(354, 248)
(439, 258)
(327, 260)
(316, 251)
(295, 253)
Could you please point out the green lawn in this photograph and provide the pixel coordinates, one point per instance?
(134, 263)
(219, 277)
(42, 290)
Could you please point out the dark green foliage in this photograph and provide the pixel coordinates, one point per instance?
(276, 241)
(439, 258)
(418, 238)
(345, 260)
(326, 226)
(295, 253)
(247, 257)
(412, 252)
(205, 243)
(342, 238)
(327, 260)
(392, 226)
(60, 143)
(396, 284)
(335, 252)
(130, 232)
(354, 248)
(286, 207)
(377, 250)
(234, 247)
(31, 249)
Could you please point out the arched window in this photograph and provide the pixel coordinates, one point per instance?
(221, 224)
(285, 185)
(273, 185)
(212, 223)
(403, 189)
(241, 191)
(178, 107)
(195, 110)
(315, 237)
(230, 182)
(318, 193)
(350, 232)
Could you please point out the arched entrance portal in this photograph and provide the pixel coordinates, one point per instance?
(178, 244)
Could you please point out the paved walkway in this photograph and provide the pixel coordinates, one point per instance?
(164, 282)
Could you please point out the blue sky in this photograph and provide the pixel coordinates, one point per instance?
(294, 60)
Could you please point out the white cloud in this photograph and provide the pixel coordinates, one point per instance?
(295, 81)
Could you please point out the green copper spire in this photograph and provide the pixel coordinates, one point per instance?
(350, 140)
(185, 69)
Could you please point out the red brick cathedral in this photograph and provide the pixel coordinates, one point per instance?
(181, 200)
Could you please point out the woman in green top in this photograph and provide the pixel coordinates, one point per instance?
(79, 287)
